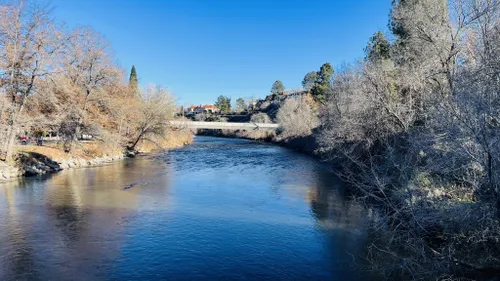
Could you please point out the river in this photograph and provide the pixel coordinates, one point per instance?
(219, 209)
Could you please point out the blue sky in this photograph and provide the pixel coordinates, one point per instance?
(200, 49)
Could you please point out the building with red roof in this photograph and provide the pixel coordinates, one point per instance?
(197, 109)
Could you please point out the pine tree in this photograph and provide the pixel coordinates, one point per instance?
(378, 48)
(133, 81)
(240, 105)
(309, 80)
(278, 88)
(422, 29)
(323, 83)
(224, 104)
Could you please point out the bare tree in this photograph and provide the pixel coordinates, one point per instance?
(420, 137)
(67, 82)
(153, 114)
(89, 67)
(29, 42)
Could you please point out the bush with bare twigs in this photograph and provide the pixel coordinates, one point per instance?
(297, 118)
(418, 135)
(260, 117)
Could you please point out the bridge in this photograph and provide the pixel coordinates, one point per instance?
(223, 125)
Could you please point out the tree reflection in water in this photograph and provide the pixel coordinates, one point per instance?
(218, 209)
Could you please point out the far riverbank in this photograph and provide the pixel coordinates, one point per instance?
(39, 160)
(307, 144)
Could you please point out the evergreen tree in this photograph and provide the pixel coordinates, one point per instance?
(133, 82)
(309, 80)
(424, 43)
(323, 83)
(422, 29)
(241, 105)
(278, 88)
(378, 48)
(224, 104)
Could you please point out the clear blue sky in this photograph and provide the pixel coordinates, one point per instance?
(200, 49)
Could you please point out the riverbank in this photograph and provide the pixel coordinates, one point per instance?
(307, 144)
(50, 158)
(447, 220)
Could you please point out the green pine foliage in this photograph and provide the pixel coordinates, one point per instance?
(322, 84)
(278, 88)
(309, 80)
(378, 48)
(133, 81)
(224, 104)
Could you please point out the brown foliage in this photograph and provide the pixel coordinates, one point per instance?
(297, 118)
(52, 79)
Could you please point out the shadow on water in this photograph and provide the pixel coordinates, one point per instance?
(220, 209)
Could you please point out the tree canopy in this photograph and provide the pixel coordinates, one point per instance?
(322, 83)
(65, 81)
(378, 48)
(309, 80)
(416, 23)
(241, 105)
(278, 88)
(133, 81)
(224, 104)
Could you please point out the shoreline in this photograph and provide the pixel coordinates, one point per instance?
(33, 163)
(306, 145)
(464, 267)
(41, 160)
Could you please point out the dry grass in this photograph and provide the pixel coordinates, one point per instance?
(96, 149)
(172, 139)
(256, 134)
(83, 150)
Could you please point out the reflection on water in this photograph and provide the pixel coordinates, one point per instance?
(221, 209)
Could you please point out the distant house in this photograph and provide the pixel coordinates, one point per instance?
(207, 108)
(190, 110)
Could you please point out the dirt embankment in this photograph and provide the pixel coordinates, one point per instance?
(50, 158)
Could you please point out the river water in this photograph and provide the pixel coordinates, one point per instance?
(220, 209)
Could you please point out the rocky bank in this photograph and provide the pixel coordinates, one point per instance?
(32, 161)
(31, 164)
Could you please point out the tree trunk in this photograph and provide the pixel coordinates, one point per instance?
(11, 138)
(78, 129)
(5, 141)
(494, 185)
(135, 143)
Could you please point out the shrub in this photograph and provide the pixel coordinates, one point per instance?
(297, 118)
(201, 117)
(260, 117)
